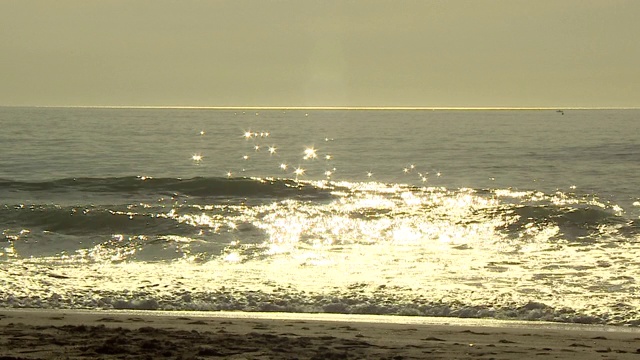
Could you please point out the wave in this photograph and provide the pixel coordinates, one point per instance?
(573, 222)
(198, 186)
(78, 221)
(575, 218)
(465, 253)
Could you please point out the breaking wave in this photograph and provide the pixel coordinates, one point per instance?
(198, 186)
(303, 246)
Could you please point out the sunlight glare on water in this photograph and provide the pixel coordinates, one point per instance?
(379, 221)
(428, 241)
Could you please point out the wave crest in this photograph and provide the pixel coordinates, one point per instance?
(198, 186)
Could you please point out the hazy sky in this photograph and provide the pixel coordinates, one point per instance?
(320, 53)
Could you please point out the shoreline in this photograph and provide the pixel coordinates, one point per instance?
(330, 108)
(139, 334)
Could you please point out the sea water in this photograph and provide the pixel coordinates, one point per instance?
(504, 214)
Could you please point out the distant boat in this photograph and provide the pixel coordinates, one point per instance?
(560, 111)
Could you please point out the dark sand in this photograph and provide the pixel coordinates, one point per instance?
(57, 334)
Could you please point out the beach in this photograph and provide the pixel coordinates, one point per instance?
(77, 334)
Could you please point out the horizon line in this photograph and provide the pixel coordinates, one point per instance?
(178, 107)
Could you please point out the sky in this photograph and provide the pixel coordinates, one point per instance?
(424, 53)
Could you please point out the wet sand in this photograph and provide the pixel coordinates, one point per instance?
(60, 334)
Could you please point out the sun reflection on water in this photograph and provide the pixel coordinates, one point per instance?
(360, 241)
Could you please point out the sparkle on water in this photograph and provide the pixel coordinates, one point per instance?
(310, 153)
(427, 242)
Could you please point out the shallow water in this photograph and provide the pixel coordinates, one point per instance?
(527, 215)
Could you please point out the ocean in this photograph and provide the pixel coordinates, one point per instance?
(497, 214)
